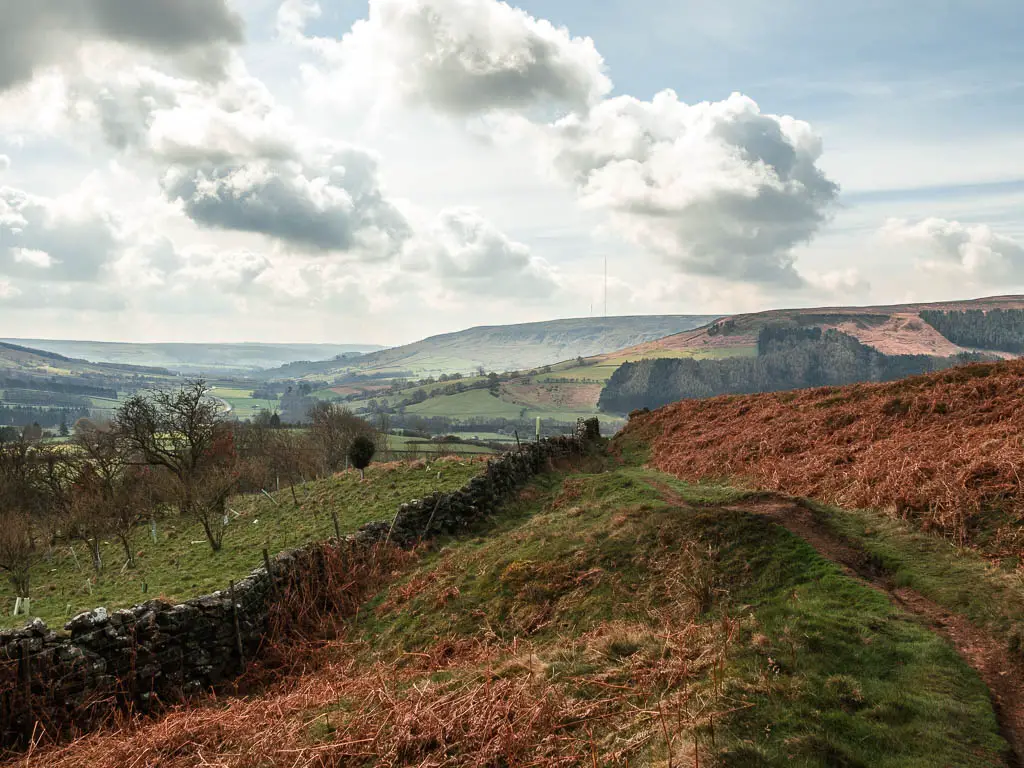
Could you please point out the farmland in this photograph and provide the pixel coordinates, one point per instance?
(179, 564)
(243, 405)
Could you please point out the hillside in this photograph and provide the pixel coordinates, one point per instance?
(874, 343)
(195, 358)
(943, 450)
(47, 388)
(610, 616)
(786, 359)
(893, 330)
(502, 347)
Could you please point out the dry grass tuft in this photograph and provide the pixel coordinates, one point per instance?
(616, 695)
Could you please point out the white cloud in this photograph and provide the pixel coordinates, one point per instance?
(715, 188)
(471, 256)
(333, 205)
(950, 248)
(5, 163)
(843, 284)
(237, 161)
(40, 259)
(41, 33)
(459, 56)
(71, 237)
(8, 290)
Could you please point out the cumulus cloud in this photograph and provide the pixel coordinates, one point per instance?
(973, 251)
(336, 205)
(841, 283)
(236, 161)
(473, 257)
(461, 56)
(68, 238)
(716, 188)
(5, 163)
(40, 33)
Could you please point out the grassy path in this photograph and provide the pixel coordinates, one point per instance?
(987, 654)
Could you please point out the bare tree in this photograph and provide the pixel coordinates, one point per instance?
(334, 428)
(22, 501)
(89, 521)
(112, 493)
(292, 454)
(18, 551)
(184, 432)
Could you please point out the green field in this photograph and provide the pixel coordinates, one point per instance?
(490, 437)
(425, 447)
(479, 403)
(243, 405)
(181, 565)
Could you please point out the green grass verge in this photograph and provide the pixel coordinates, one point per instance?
(990, 594)
(181, 565)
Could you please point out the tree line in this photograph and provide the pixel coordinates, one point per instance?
(18, 416)
(165, 453)
(788, 358)
(63, 387)
(43, 398)
(999, 329)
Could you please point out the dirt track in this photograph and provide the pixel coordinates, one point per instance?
(1002, 672)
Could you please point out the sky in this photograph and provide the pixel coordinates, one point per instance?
(376, 172)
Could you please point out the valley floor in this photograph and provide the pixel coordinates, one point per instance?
(615, 615)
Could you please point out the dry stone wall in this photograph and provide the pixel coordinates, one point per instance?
(131, 659)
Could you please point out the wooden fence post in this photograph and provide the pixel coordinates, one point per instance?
(270, 575)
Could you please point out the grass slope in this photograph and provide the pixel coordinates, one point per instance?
(598, 571)
(504, 347)
(893, 329)
(941, 449)
(600, 620)
(479, 403)
(180, 564)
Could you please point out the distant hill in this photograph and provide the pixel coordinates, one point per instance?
(503, 347)
(16, 358)
(798, 348)
(896, 329)
(194, 358)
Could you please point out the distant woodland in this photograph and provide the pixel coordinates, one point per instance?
(787, 358)
(999, 329)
